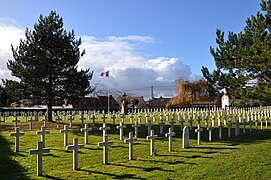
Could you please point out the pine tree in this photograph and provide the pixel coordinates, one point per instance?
(244, 58)
(46, 63)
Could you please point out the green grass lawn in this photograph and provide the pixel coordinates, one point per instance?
(243, 157)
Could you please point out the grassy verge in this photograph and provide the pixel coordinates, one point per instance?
(243, 157)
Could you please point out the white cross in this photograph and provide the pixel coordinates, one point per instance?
(71, 119)
(161, 125)
(206, 122)
(220, 130)
(104, 117)
(229, 128)
(147, 116)
(123, 117)
(17, 135)
(86, 130)
(170, 134)
(44, 122)
(152, 137)
(114, 118)
(15, 121)
(237, 128)
(36, 115)
(58, 119)
(182, 121)
(42, 133)
(139, 118)
(75, 147)
(210, 129)
(198, 130)
(121, 127)
(250, 124)
(198, 120)
(104, 129)
(39, 152)
(191, 123)
(30, 122)
(149, 127)
(130, 141)
(244, 123)
(172, 122)
(154, 117)
(66, 130)
(131, 118)
(136, 125)
(93, 118)
(82, 118)
(105, 145)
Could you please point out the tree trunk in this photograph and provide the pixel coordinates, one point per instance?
(49, 110)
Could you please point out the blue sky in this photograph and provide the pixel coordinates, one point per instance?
(157, 40)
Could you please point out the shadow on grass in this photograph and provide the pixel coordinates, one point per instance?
(10, 169)
(165, 162)
(50, 177)
(113, 176)
(146, 169)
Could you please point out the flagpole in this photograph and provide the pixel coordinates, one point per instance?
(108, 96)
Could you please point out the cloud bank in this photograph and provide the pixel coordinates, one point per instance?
(130, 72)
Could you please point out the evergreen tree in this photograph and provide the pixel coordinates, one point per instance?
(245, 58)
(46, 63)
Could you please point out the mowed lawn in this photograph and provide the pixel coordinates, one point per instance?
(243, 157)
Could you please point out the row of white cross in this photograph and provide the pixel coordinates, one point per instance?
(151, 136)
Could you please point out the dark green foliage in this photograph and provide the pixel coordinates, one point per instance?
(46, 63)
(4, 97)
(244, 57)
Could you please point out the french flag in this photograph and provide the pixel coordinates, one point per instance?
(106, 74)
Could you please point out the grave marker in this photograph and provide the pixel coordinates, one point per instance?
(229, 128)
(182, 121)
(152, 137)
(17, 135)
(121, 128)
(210, 129)
(161, 125)
(30, 122)
(75, 147)
(136, 125)
(103, 117)
(172, 122)
(105, 145)
(191, 123)
(220, 130)
(149, 125)
(71, 119)
(130, 141)
(39, 152)
(104, 129)
(198, 131)
(170, 134)
(237, 128)
(66, 130)
(185, 137)
(42, 133)
(58, 119)
(86, 130)
(15, 121)
(131, 118)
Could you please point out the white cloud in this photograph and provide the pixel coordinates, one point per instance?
(9, 34)
(130, 71)
(120, 55)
